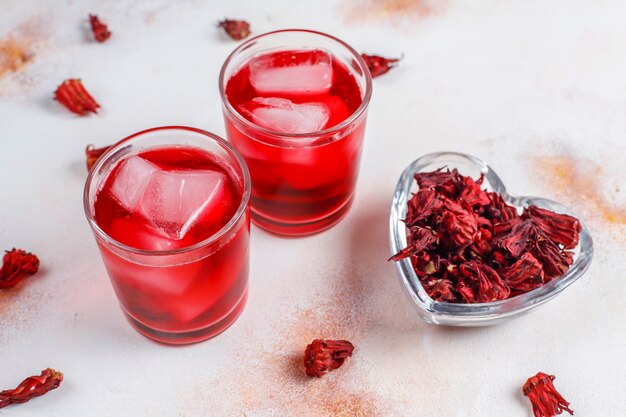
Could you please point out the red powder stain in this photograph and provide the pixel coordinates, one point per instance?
(18, 50)
(15, 54)
(391, 9)
(581, 183)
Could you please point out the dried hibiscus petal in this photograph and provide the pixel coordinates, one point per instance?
(322, 356)
(379, 65)
(560, 228)
(17, 265)
(31, 387)
(524, 275)
(459, 223)
(555, 261)
(75, 98)
(439, 289)
(236, 29)
(481, 284)
(419, 240)
(92, 153)
(545, 399)
(422, 206)
(100, 31)
(445, 182)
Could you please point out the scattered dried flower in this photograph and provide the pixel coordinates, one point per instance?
(545, 399)
(17, 265)
(92, 153)
(75, 98)
(322, 356)
(31, 387)
(100, 30)
(468, 245)
(236, 29)
(379, 65)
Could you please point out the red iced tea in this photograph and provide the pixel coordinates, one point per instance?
(290, 107)
(162, 201)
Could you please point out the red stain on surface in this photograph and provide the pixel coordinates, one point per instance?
(15, 54)
(582, 184)
(391, 9)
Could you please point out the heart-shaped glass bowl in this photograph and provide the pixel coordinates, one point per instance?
(480, 314)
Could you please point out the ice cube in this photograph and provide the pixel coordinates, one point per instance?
(130, 182)
(292, 73)
(176, 200)
(284, 116)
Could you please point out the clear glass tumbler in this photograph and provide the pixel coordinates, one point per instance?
(303, 181)
(181, 292)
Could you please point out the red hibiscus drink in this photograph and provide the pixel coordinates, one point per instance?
(169, 208)
(295, 106)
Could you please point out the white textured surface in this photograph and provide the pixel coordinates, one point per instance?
(537, 88)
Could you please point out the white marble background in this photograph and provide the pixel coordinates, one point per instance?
(537, 88)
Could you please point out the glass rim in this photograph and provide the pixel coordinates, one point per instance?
(328, 131)
(234, 220)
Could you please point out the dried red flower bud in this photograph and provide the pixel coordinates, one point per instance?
(481, 284)
(418, 241)
(515, 236)
(445, 182)
(17, 265)
(31, 387)
(379, 65)
(560, 228)
(439, 289)
(322, 356)
(100, 30)
(75, 98)
(472, 194)
(459, 223)
(524, 275)
(545, 399)
(236, 29)
(422, 206)
(499, 210)
(554, 260)
(92, 153)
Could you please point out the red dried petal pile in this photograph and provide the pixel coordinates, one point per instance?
(236, 29)
(75, 98)
(31, 387)
(100, 30)
(379, 65)
(17, 265)
(92, 154)
(545, 399)
(467, 245)
(322, 356)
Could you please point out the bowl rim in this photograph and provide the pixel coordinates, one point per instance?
(457, 313)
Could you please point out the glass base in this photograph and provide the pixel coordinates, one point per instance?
(301, 228)
(195, 336)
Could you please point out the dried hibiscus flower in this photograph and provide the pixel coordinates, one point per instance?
(379, 65)
(467, 245)
(92, 154)
(31, 387)
(236, 29)
(17, 265)
(75, 98)
(545, 399)
(322, 356)
(100, 30)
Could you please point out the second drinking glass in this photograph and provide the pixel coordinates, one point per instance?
(295, 106)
